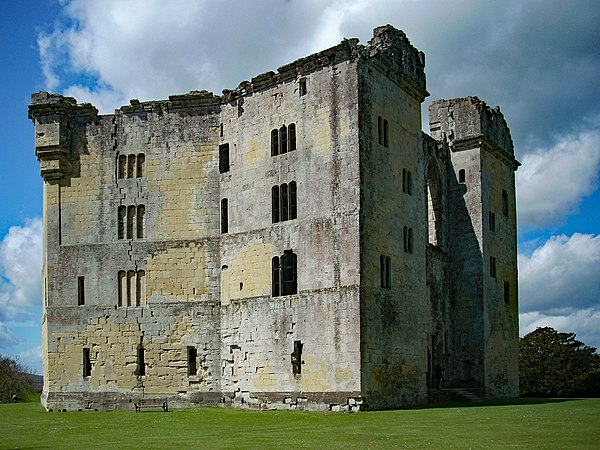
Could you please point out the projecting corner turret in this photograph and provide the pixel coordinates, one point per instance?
(463, 122)
(399, 60)
(51, 115)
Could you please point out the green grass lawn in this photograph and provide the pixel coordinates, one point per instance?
(524, 423)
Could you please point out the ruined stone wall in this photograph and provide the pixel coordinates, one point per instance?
(393, 293)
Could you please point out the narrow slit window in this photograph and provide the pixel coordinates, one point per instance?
(380, 130)
(130, 220)
(504, 203)
(87, 363)
(283, 189)
(192, 357)
(140, 288)
(275, 203)
(283, 135)
(409, 187)
(292, 137)
(141, 160)
(141, 363)
(130, 166)
(122, 286)
(492, 221)
(80, 291)
(404, 180)
(292, 197)
(121, 219)
(224, 217)
(274, 142)
(276, 277)
(461, 176)
(297, 358)
(223, 158)
(492, 267)
(506, 292)
(386, 136)
(131, 287)
(122, 167)
(140, 213)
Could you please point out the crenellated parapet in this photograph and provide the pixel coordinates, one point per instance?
(52, 115)
(468, 121)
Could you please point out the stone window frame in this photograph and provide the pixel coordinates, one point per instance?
(192, 361)
(87, 362)
(407, 183)
(284, 202)
(385, 272)
(283, 139)
(224, 162)
(131, 288)
(131, 166)
(462, 176)
(80, 291)
(284, 270)
(296, 358)
(224, 216)
(131, 222)
(383, 132)
(408, 240)
(302, 87)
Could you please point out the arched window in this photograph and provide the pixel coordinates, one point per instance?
(292, 137)
(141, 212)
(284, 274)
(292, 200)
(274, 142)
(131, 287)
(140, 288)
(122, 286)
(122, 167)
(284, 202)
(283, 189)
(130, 220)
(121, 214)
(130, 166)
(141, 160)
(283, 136)
(275, 203)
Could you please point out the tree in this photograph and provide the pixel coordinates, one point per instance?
(14, 379)
(553, 364)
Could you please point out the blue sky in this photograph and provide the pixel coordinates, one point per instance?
(538, 60)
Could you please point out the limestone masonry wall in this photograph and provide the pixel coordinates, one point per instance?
(296, 242)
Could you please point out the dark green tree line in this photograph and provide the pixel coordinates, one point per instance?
(14, 379)
(553, 364)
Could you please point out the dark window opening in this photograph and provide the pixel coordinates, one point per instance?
(192, 356)
(141, 212)
(140, 363)
(121, 214)
(87, 363)
(130, 220)
(504, 202)
(130, 166)
(408, 240)
(224, 216)
(385, 271)
(386, 141)
(276, 277)
(302, 86)
(122, 286)
(461, 176)
(292, 137)
(284, 274)
(81, 291)
(283, 135)
(122, 167)
(284, 207)
(275, 203)
(140, 288)
(223, 158)
(492, 221)
(141, 159)
(297, 358)
(284, 204)
(492, 267)
(274, 142)
(407, 186)
(380, 130)
(506, 292)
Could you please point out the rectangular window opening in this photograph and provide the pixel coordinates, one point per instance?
(506, 292)
(297, 358)
(80, 291)
(302, 87)
(224, 216)
(87, 363)
(223, 158)
(192, 356)
(141, 364)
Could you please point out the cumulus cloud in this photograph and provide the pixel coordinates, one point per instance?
(561, 275)
(552, 182)
(20, 270)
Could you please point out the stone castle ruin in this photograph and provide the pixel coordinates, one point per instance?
(297, 242)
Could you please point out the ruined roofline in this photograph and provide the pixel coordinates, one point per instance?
(467, 119)
(389, 49)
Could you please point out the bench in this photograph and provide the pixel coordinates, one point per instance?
(151, 403)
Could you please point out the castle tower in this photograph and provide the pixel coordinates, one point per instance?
(482, 245)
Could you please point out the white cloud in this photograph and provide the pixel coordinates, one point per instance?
(584, 323)
(7, 339)
(561, 276)
(31, 359)
(20, 270)
(552, 182)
